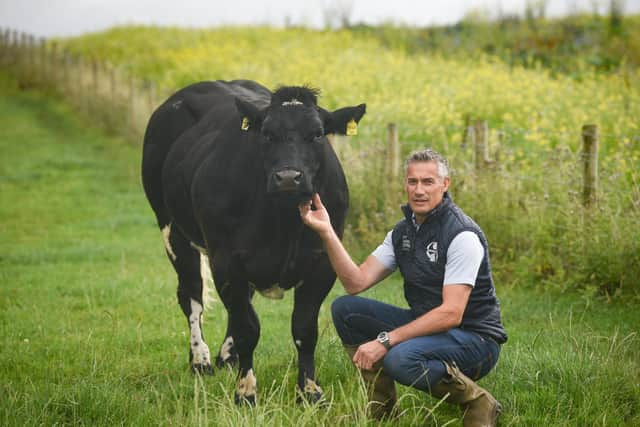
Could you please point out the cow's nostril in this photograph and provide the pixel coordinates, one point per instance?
(288, 178)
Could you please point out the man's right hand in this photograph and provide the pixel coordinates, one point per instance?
(318, 219)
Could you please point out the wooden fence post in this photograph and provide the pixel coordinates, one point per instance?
(95, 88)
(81, 75)
(590, 164)
(54, 61)
(15, 42)
(132, 105)
(393, 152)
(151, 96)
(33, 73)
(24, 54)
(481, 136)
(64, 78)
(44, 65)
(467, 133)
(4, 45)
(113, 86)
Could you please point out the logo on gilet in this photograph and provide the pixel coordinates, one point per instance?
(432, 251)
(406, 243)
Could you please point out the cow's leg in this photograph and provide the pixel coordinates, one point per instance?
(245, 329)
(187, 262)
(304, 326)
(227, 355)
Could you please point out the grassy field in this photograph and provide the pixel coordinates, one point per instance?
(92, 333)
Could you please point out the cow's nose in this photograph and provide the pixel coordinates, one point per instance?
(288, 179)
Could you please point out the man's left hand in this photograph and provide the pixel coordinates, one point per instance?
(368, 354)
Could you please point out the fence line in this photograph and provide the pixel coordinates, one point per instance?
(103, 92)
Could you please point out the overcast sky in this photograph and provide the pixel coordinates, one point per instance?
(48, 18)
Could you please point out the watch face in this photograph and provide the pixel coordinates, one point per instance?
(383, 338)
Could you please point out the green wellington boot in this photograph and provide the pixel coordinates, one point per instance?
(480, 408)
(381, 389)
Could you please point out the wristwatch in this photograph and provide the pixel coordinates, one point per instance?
(383, 338)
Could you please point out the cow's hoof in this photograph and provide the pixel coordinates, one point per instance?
(311, 393)
(311, 398)
(245, 400)
(230, 361)
(202, 369)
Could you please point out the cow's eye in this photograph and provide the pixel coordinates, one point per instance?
(317, 136)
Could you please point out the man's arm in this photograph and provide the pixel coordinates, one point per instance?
(354, 278)
(440, 319)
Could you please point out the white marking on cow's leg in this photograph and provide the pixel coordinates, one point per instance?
(199, 248)
(312, 387)
(225, 350)
(199, 348)
(207, 280)
(298, 343)
(166, 232)
(247, 387)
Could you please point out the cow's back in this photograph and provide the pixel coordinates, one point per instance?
(196, 109)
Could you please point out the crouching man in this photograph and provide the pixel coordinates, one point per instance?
(452, 332)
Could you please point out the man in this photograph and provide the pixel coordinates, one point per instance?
(452, 332)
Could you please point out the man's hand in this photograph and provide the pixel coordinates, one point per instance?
(368, 354)
(317, 219)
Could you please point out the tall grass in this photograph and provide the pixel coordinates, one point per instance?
(91, 333)
(529, 203)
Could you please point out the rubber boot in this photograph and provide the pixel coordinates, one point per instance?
(480, 408)
(381, 389)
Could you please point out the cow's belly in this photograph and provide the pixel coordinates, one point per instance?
(271, 272)
(264, 270)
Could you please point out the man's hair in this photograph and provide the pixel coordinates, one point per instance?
(428, 155)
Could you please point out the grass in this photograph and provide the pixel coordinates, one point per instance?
(92, 333)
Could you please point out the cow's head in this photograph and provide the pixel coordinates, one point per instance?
(292, 133)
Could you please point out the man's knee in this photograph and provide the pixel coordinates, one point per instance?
(340, 308)
(396, 362)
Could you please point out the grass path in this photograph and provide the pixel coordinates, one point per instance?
(92, 334)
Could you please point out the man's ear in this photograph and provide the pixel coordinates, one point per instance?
(250, 116)
(343, 121)
(446, 183)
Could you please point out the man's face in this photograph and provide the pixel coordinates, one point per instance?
(425, 188)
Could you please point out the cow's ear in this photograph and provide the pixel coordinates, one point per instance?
(250, 116)
(343, 121)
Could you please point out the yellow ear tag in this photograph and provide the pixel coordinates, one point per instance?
(245, 124)
(352, 128)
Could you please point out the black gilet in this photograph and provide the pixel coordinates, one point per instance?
(421, 256)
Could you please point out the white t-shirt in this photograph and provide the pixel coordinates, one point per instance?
(464, 257)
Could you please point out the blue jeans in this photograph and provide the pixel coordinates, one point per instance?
(418, 362)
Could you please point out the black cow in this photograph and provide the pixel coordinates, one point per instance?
(225, 165)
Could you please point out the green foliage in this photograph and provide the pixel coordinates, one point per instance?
(575, 45)
(528, 205)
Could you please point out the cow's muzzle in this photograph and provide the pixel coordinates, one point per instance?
(286, 180)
